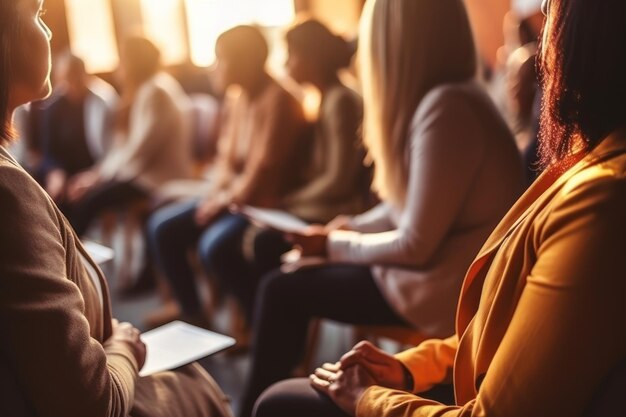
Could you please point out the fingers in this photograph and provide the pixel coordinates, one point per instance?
(332, 367)
(319, 384)
(127, 329)
(376, 362)
(315, 229)
(365, 352)
(325, 374)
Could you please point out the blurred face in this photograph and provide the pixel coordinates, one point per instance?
(299, 66)
(225, 69)
(71, 79)
(123, 74)
(231, 69)
(31, 65)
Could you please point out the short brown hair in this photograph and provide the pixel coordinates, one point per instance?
(143, 58)
(246, 45)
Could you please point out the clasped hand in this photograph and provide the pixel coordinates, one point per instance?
(312, 241)
(365, 365)
(127, 334)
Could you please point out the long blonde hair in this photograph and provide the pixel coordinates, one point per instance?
(407, 47)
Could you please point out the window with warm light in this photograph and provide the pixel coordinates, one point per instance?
(206, 19)
(91, 34)
(164, 24)
(183, 29)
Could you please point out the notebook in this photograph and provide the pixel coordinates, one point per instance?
(275, 219)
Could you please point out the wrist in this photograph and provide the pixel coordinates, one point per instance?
(409, 383)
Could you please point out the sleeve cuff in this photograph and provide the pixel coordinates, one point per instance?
(364, 406)
(405, 359)
(338, 245)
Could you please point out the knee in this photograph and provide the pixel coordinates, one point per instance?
(281, 399)
(217, 246)
(272, 287)
(268, 404)
(159, 229)
(213, 249)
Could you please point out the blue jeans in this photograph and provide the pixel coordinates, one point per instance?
(172, 232)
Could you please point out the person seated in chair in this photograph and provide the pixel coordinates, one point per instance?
(257, 164)
(61, 353)
(76, 125)
(446, 169)
(539, 325)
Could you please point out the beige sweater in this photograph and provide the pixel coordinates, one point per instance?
(56, 356)
(464, 174)
(157, 146)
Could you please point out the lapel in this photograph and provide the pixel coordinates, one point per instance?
(544, 187)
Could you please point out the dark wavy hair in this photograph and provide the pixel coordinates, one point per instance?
(8, 30)
(583, 72)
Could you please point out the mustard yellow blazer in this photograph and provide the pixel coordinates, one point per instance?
(540, 320)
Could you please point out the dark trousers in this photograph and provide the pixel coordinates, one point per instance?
(222, 256)
(296, 398)
(172, 232)
(108, 195)
(285, 305)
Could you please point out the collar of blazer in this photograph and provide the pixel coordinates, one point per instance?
(545, 187)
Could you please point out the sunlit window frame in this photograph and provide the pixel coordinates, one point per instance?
(186, 36)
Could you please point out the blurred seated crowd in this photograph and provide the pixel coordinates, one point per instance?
(411, 162)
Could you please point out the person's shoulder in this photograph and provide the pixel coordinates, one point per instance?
(165, 90)
(443, 102)
(19, 192)
(163, 83)
(278, 96)
(609, 173)
(341, 96)
(101, 89)
(451, 94)
(467, 103)
(54, 102)
(600, 187)
(278, 91)
(12, 177)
